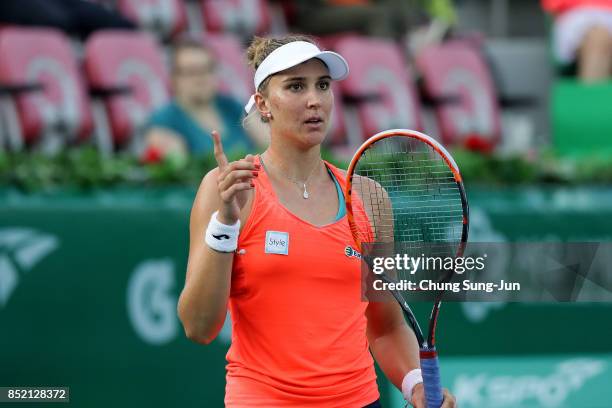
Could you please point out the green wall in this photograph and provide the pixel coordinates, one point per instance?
(89, 284)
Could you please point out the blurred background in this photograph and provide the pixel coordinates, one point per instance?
(105, 111)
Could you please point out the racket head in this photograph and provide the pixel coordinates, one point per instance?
(397, 164)
(405, 190)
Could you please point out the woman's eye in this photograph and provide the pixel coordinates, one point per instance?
(295, 87)
(324, 86)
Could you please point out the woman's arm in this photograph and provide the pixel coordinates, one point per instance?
(392, 341)
(202, 306)
(396, 350)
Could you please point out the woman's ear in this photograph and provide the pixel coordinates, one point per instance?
(262, 106)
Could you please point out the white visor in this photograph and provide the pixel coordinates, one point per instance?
(292, 54)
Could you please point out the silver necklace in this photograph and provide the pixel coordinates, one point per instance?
(305, 194)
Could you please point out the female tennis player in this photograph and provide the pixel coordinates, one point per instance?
(269, 239)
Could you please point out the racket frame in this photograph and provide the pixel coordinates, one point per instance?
(427, 345)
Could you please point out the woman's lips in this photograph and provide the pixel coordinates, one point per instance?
(314, 124)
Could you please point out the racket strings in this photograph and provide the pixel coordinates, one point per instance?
(410, 194)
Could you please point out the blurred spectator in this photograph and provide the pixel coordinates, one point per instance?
(434, 23)
(184, 124)
(78, 17)
(441, 10)
(582, 34)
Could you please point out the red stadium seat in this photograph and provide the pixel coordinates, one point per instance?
(235, 78)
(457, 68)
(166, 18)
(242, 17)
(44, 96)
(127, 69)
(380, 84)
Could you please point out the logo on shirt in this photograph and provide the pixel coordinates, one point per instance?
(277, 242)
(351, 252)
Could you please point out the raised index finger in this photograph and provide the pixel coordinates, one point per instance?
(219, 154)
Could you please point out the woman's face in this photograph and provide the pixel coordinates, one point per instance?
(194, 76)
(301, 101)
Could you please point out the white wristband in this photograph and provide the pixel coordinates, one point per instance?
(221, 237)
(411, 379)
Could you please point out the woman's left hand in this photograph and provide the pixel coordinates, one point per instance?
(418, 398)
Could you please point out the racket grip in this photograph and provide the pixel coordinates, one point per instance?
(431, 378)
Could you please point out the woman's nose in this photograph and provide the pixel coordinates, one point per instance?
(314, 99)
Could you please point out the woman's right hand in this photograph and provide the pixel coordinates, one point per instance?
(234, 181)
(419, 401)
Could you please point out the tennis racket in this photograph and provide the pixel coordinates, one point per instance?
(404, 188)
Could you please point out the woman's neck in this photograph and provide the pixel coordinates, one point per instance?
(294, 163)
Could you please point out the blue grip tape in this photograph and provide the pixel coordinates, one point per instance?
(431, 380)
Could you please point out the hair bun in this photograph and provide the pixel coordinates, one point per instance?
(256, 51)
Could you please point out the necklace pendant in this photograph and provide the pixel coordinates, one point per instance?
(305, 195)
